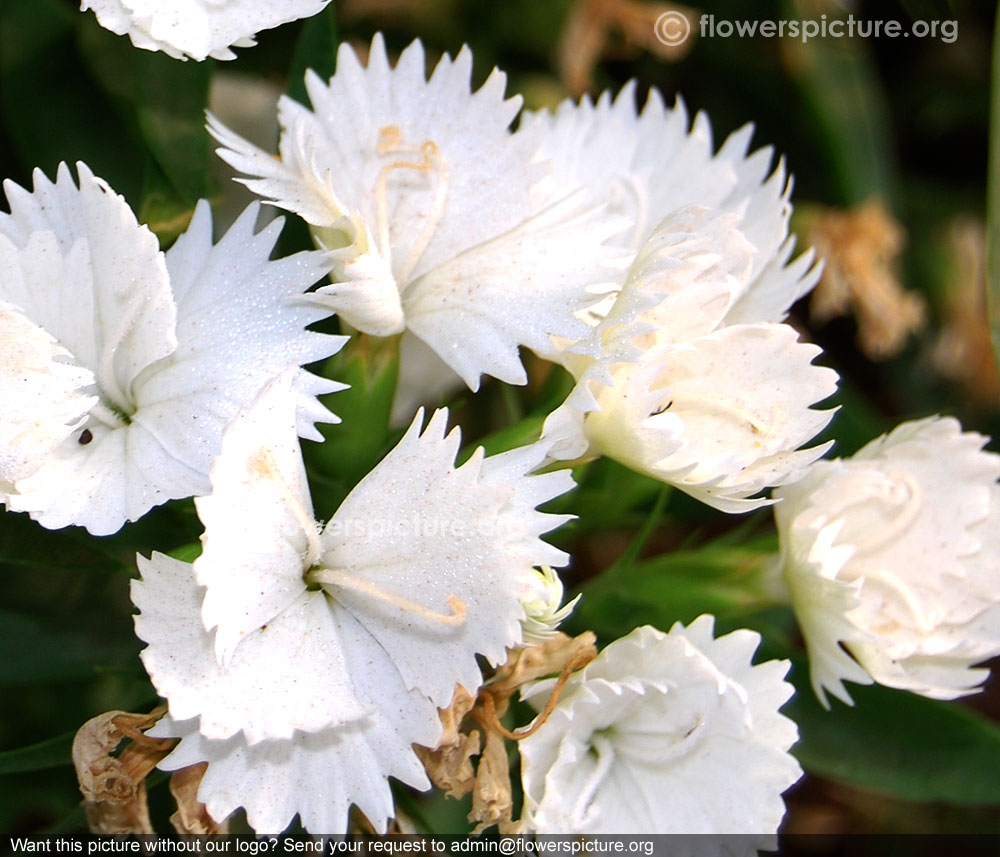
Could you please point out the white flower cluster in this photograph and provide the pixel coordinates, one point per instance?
(303, 661)
(308, 652)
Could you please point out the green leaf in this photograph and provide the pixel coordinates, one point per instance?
(51, 110)
(355, 445)
(25, 543)
(164, 102)
(898, 743)
(51, 753)
(521, 433)
(32, 654)
(171, 100)
(840, 82)
(164, 210)
(729, 581)
(993, 201)
(608, 496)
(187, 553)
(316, 48)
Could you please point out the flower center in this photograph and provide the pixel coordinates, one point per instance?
(264, 466)
(899, 499)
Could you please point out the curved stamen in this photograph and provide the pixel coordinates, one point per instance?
(106, 379)
(432, 157)
(724, 409)
(343, 580)
(605, 759)
(391, 142)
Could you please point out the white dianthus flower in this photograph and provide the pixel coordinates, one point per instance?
(197, 28)
(126, 363)
(434, 214)
(329, 650)
(647, 737)
(892, 557)
(691, 377)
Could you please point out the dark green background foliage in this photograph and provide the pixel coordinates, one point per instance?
(905, 119)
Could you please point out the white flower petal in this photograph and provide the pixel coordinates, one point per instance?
(196, 28)
(420, 571)
(424, 379)
(467, 311)
(42, 390)
(259, 526)
(241, 321)
(317, 775)
(118, 476)
(293, 667)
(720, 417)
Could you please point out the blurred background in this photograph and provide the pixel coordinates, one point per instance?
(887, 139)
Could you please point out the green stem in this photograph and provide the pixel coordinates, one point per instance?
(993, 201)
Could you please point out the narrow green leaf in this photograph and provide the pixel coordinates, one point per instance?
(32, 654)
(50, 111)
(728, 581)
(316, 48)
(898, 743)
(524, 432)
(364, 436)
(51, 753)
(993, 203)
(841, 84)
(187, 553)
(171, 100)
(24, 543)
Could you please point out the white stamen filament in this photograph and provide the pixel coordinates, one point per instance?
(391, 142)
(924, 622)
(343, 580)
(112, 343)
(658, 747)
(641, 215)
(605, 759)
(264, 465)
(725, 409)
